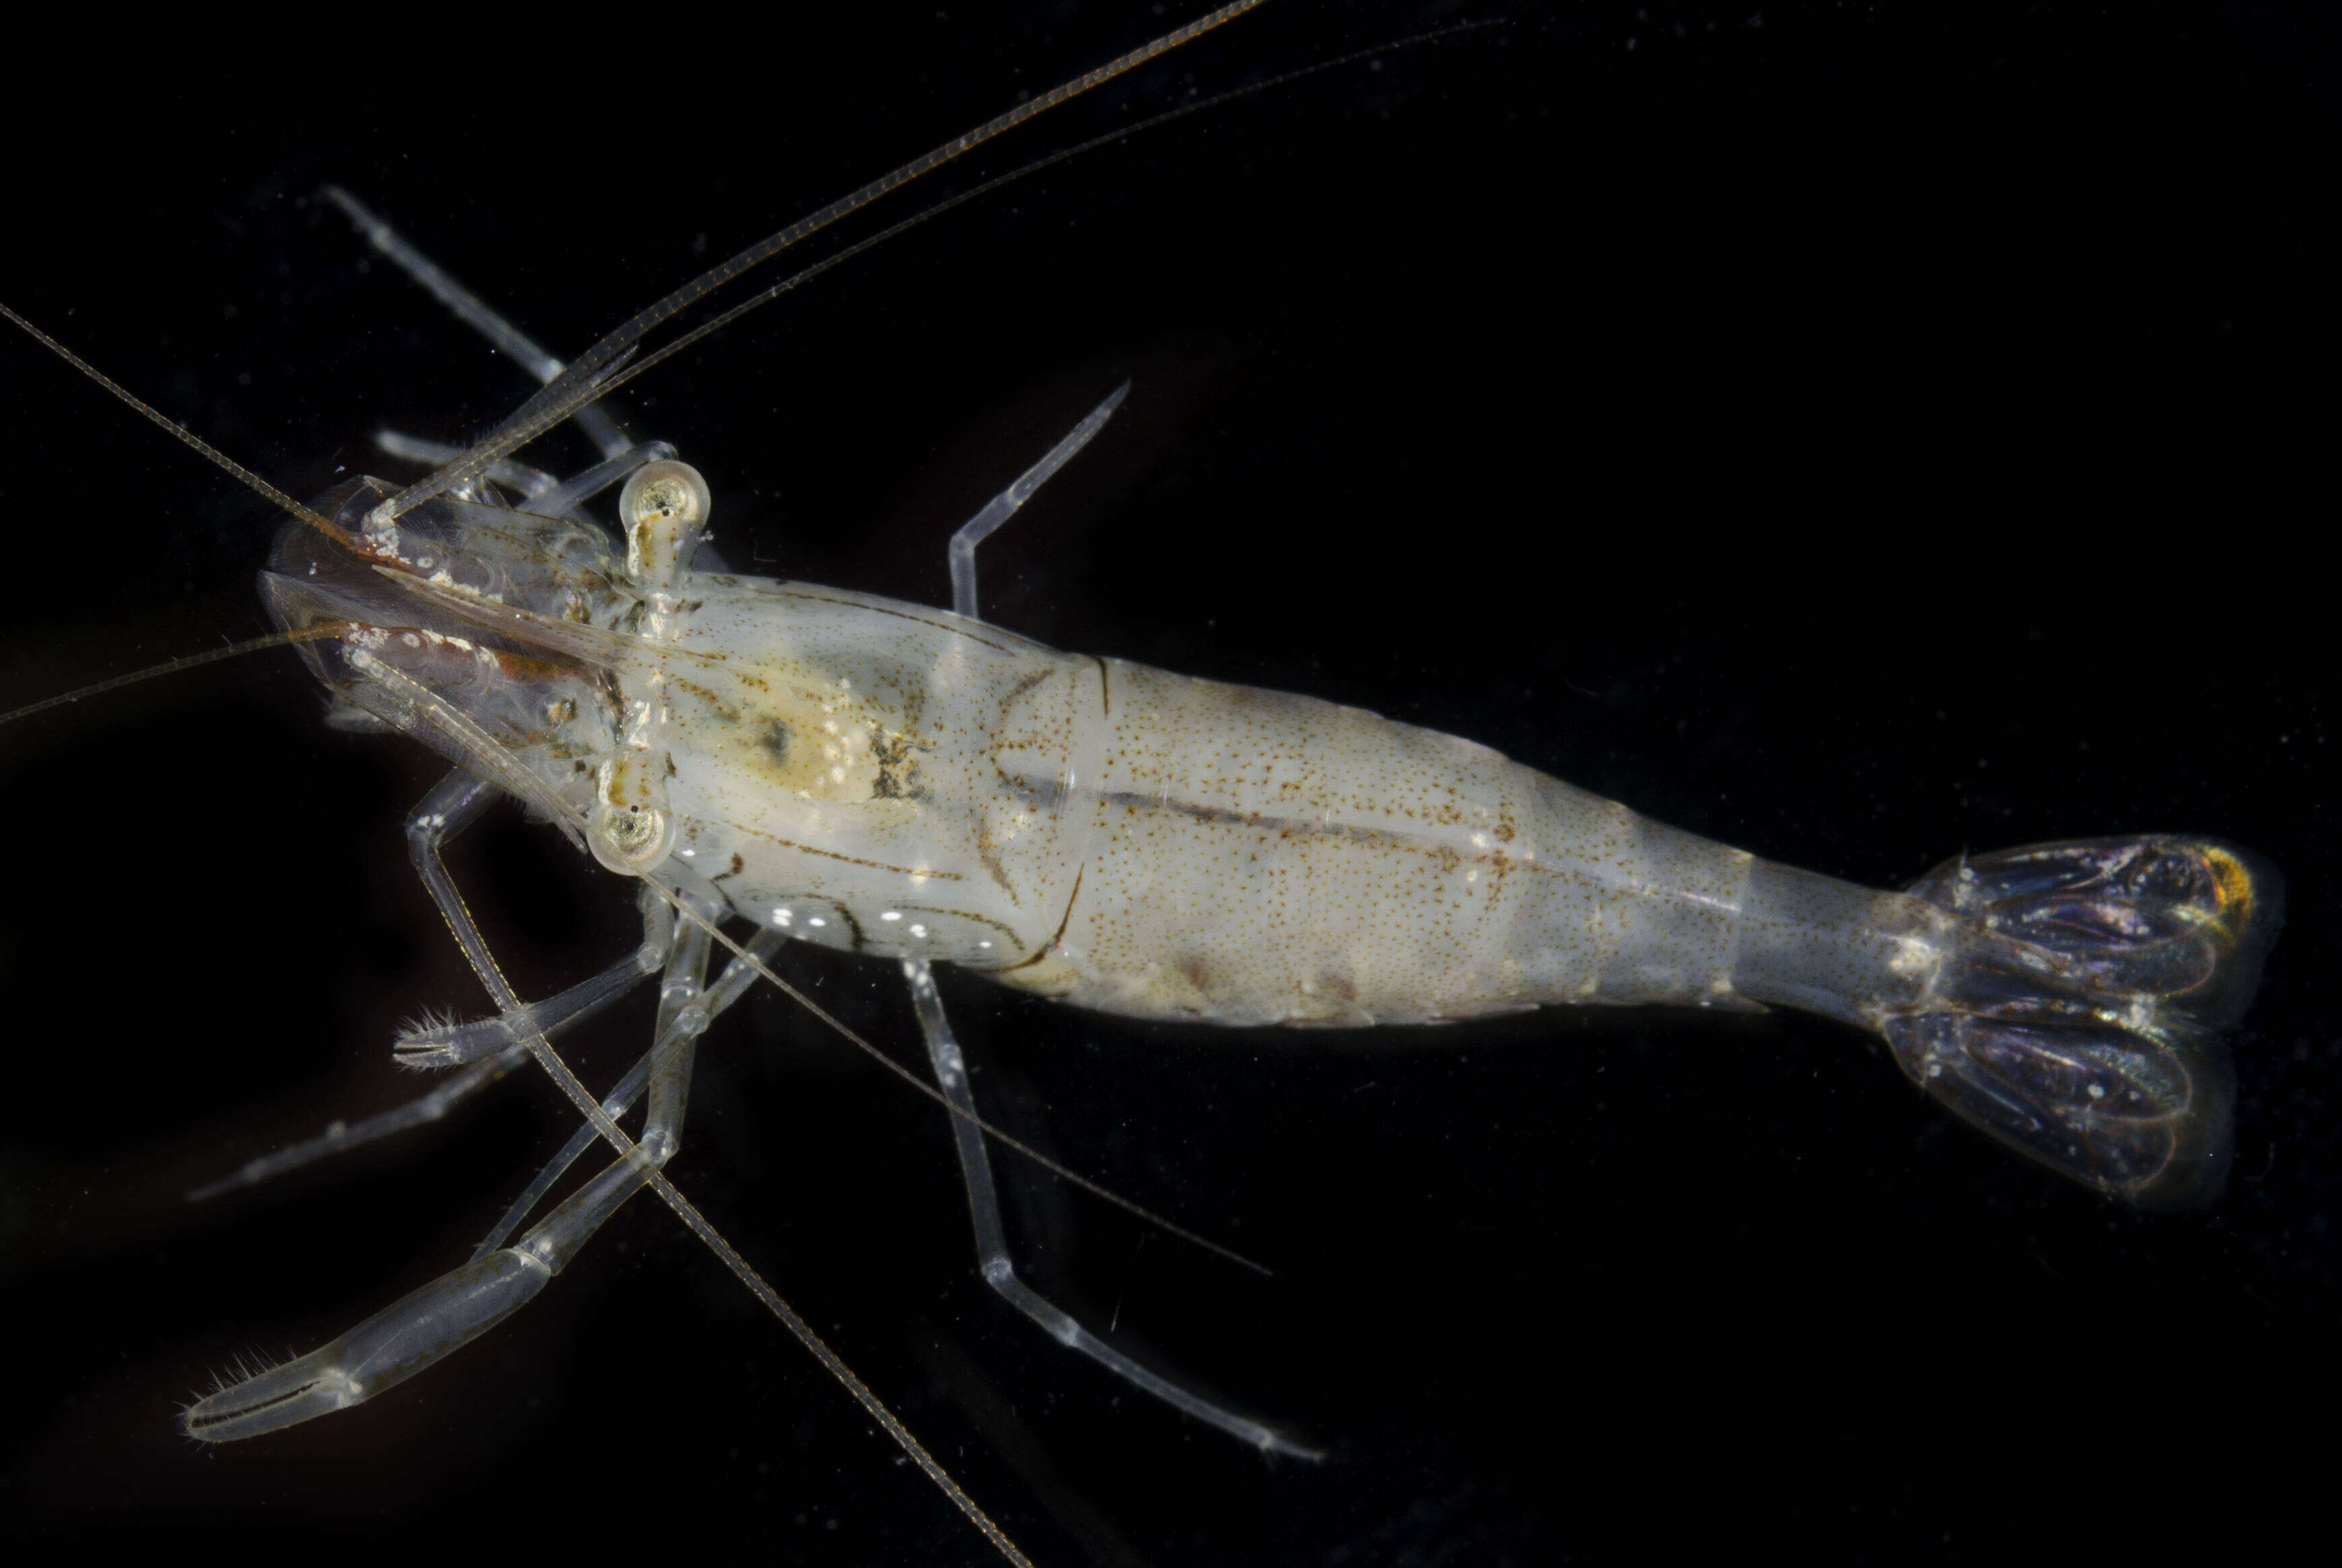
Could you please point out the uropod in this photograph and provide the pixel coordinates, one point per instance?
(888, 748)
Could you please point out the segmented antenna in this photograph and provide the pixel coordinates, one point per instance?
(312, 634)
(580, 400)
(549, 405)
(177, 431)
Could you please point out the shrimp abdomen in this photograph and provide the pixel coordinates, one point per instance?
(1260, 857)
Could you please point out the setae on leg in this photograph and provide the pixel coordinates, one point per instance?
(428, 1324)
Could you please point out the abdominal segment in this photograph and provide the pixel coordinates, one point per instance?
(1258, 857)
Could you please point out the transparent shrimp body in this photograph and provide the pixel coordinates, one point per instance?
(916, 783)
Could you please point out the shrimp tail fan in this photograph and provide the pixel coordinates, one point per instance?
(2085, 1027)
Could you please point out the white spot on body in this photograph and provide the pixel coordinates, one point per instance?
(1913, 957)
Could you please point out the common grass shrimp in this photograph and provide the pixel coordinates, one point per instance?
(1391, 465)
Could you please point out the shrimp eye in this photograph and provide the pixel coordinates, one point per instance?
(631, 839)
(664, 491)
(664, 510)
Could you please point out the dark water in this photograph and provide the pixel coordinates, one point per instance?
(1858, 438)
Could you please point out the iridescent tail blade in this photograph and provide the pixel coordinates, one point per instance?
(2083, 1028)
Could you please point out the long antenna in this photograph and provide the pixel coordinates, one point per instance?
(312, 634)
(544, 409)
(581, 398)
(154, 416)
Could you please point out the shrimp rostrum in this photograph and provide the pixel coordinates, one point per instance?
(920, 786)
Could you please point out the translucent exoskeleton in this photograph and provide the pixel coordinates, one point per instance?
(1289, 583)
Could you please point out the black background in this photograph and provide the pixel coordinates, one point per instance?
(1854, 436)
